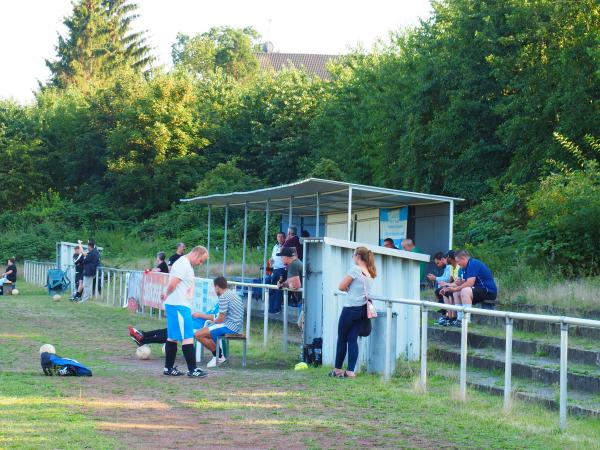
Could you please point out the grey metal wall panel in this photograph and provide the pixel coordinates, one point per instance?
(432, 233)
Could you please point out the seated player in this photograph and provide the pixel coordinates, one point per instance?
(10, 274)
(229, 320)
(160, 336)
(440, 281)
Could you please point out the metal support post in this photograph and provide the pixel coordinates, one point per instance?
(564, 352)
(387, 371)
(285, 320)
(225, 240)
(424, 319)
(245, 241)
(508, 364)
(266, 318)
(463, 356)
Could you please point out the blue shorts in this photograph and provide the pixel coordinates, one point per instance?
(219, 329)
(179, 322)
(198, 323)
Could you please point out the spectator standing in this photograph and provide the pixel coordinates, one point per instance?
(357, 283)
(294, 273)
(178, 254)
(279, 274)
(78, 257)
(409, 246)
(293, 241)
(178, 298)
(478, 285)
(161, 265)
(90, 264)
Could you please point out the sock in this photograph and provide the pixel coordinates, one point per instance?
(170, 353)
(214, 353)
(190, 357)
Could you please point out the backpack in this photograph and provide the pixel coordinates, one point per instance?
(65, 367)
(313, 353)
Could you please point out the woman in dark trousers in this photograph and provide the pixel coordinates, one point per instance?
(357, 283)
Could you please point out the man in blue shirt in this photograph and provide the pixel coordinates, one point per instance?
(478, 285)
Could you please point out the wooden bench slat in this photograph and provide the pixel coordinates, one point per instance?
(235, 336)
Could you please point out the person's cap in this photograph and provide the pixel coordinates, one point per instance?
(451, 254)
(287, 251)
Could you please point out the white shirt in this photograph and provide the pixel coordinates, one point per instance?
(277, 260)
(184, 291)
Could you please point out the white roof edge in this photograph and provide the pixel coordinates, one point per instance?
(378, 249)
(361, 187)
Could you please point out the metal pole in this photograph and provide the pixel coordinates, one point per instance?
(451, 224)
(317, 222)
(508, 364)
(266, 319)
(121, 299)
(266, 243)
(208, 242)
(463, 356)
(290, 216)
(564, 351)
(424, 319)
(225, 239)
(245, 241)
(350, 214)
(285, 320)
(387, 371)
(248, 314)
(108, 286)
(114, 292)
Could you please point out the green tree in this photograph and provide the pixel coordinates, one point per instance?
(220, 48)
(99, 40)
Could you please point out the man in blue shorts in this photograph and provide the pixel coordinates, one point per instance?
(178, 308)
(229, 321)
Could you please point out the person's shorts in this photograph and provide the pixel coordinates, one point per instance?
(480, 295)
(78, 278)
(180, 324)
(198, 323)
(219, 329)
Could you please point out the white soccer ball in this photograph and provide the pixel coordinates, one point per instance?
(56, 297)
(143, 352)
(15, 292)
(47, 348)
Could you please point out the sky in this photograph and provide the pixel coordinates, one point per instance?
(29, 28)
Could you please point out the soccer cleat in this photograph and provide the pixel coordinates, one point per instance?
(173, 372)
(442, 321)
(136, 335)
(456, 323)
(212, 362)
(197, 373)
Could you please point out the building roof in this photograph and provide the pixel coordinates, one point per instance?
(333, 197)
(313, 64)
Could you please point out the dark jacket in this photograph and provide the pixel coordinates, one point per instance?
(294, 242)
(91, 263)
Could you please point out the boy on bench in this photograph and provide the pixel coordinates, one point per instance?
(10, 274)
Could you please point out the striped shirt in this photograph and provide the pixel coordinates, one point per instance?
(233, 308)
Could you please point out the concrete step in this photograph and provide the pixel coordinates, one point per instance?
(581, 404)
(530, 367)
(477, 339)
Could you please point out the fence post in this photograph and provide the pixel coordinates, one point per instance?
(387, 371)
(508, 364)
(97, 283)
(248, 314)
(564, 351)
(285, 320)
(463, 355)
(424, 320)
(266, 318)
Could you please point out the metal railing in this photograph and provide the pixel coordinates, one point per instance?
(467, 311)
(112, 288)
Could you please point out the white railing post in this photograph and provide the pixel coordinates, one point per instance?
(266, 318)
(508, 365)
(564, 352)
(285, 320)
(97, 283)
(463, 355)
(387, 370)
(424, 320)
(248, 314)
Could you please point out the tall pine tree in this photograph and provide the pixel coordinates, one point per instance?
(99, 40)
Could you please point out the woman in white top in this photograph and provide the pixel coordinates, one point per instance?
(357, 283)
(279, 271)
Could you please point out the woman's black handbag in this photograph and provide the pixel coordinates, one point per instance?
(365, 327)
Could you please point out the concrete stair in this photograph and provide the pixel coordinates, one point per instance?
(535, 367)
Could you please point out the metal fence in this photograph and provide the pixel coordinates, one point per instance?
(35, 272)
(425, 306)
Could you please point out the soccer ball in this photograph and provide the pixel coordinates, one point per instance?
(143, 352)
(15, 292)
(56, 297)
(47, 348)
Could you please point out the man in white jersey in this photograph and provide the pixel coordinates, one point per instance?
(178, 308)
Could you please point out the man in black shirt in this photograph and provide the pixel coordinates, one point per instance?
(10, 274)
(90, 264)
(178, 254)
(161, 265)
(78, 258)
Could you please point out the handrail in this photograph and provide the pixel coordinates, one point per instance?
(509, 317)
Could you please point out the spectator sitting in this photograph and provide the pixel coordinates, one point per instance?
(160, 336)
(161, 265)
(293, 241)
(409, 246)
(305, 234)
(478, 286)
(439, 281)
(294, 274)
(178, 254)
(457, 274)
(389, 243)
(278, 276)
(10, 274)
(229, 321)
